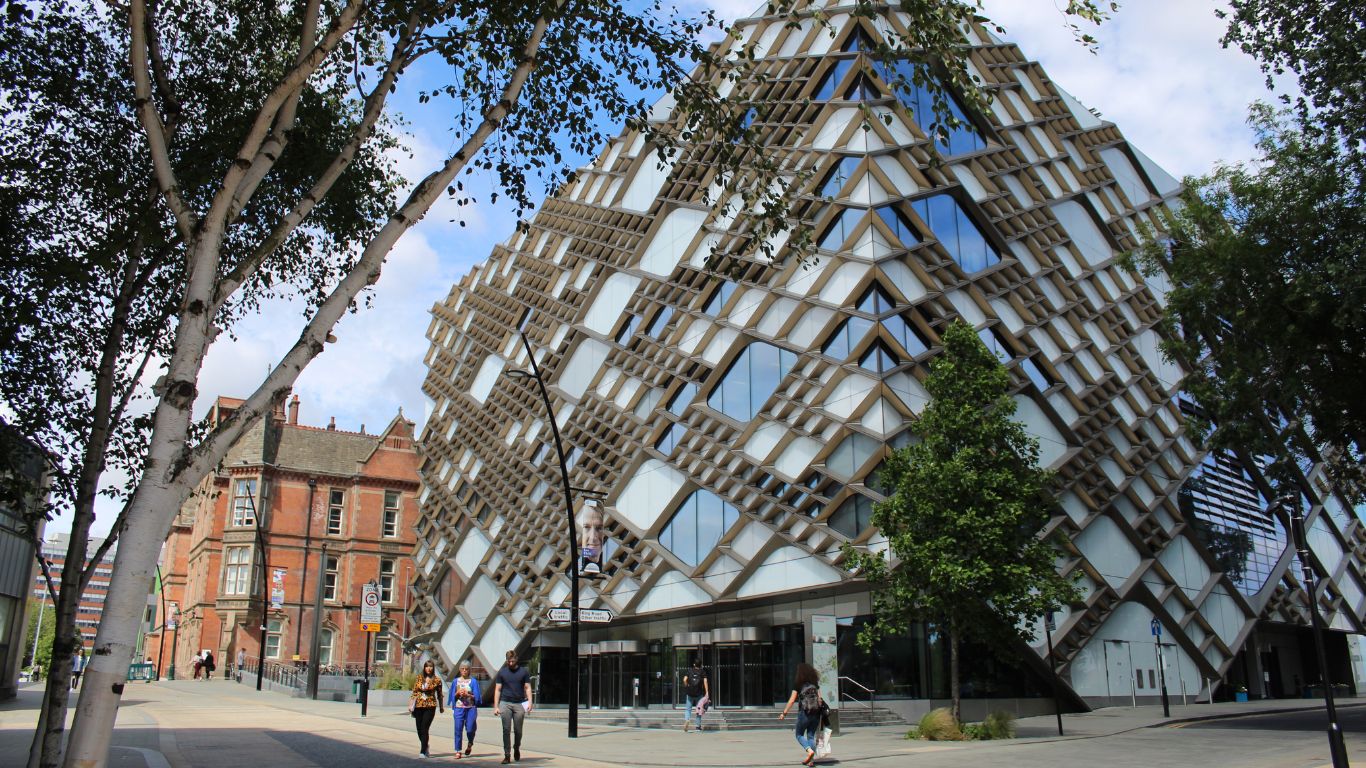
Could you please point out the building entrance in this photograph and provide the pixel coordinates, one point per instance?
(740, 668)
(612, 675)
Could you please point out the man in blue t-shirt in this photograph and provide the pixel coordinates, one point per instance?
(512, 702)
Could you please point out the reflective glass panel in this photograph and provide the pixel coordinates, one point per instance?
(696, 526)
(875, 301)
(956, 232)
(679, 402)
(719, 298)
(906, 335)
(846, 337)
(853, 516)
(851, 454)
(750, 380)
(839, 176)
(920, 101)
(840, 229)
(900, 227)
(831, 81)
(660, 322)
(879, 359)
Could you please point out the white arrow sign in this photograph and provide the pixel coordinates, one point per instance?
(590, 615)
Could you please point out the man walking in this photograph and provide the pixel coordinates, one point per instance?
(512, 702)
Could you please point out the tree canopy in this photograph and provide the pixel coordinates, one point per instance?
(1267, 302)
(965, 510)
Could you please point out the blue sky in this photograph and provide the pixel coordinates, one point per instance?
(1160, 75)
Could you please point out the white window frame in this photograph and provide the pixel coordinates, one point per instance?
(332, 575)
(336, 511)
(392, 514)
(236, 570)
(381, 650)
(275, 634)
(326, 638)
(244, 502)
(386, 579)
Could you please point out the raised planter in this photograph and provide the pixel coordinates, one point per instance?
(387, 698)
(1240, 696)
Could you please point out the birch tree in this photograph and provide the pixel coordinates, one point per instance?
(530, 82)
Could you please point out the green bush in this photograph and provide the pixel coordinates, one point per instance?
(975, 732)
(394, 679)
(1000, 725)
(940, 725)
(913, 734)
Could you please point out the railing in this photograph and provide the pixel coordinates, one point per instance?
(871, 703)
(276, 672)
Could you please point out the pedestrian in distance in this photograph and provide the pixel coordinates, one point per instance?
(464, 704)
(209, 664)
(424, 703)
(806, 695)
(697, 694)
(512, 702)
(77, 667)
(198, 664)
(241, 662)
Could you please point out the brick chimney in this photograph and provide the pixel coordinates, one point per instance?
(294, 410)
(332, 424)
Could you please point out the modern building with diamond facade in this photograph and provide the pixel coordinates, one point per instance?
(734, 423)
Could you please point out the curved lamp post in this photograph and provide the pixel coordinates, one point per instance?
(535, 373)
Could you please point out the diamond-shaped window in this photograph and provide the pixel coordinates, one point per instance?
(718, 299)
(853, 516)
(839, 176)
(698, 523)
(956, 231)
(840, 229)
(846, 337)
(826, 90)
(751, 380)
(875, 301)
(900, 226)
(859, 41)
(879, 359)
(909, 80)
(906, 335)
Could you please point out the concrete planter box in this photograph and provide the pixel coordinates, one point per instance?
(389, 698)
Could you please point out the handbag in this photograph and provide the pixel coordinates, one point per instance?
(823, 748)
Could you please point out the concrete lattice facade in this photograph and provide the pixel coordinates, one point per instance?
(757, 404)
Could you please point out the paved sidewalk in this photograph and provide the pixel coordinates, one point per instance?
(190, 724)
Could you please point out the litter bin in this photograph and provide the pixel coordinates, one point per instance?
(355, 686)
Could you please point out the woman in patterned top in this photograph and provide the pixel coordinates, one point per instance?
(425, 701)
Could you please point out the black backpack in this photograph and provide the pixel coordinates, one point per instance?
(809, 699)
(695, 677)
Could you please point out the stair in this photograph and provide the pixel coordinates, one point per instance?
(851, 716)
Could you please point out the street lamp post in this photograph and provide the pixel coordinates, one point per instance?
(1336, 747)
(1053, 664)
(535, 373)
(161, 636)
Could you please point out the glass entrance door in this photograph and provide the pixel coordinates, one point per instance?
(727, 680)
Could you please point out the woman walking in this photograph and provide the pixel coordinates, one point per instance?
(426, 699)
(806, 695)
(464, 703)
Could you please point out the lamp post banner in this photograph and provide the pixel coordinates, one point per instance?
(591, 526)
(277, 587)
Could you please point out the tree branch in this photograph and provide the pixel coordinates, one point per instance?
(186, 222)
(285, 91)
(202, 458)
(374, 107)
(284, 123)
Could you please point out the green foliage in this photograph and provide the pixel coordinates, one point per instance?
(45, 635)
(939, 725)
(1267, 307)
(965, 507)
(1321, 43)
(395, 679)
(1000, 725)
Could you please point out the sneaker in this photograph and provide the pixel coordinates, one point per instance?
(687, 726)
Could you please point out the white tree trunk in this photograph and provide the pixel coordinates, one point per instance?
(149, 522)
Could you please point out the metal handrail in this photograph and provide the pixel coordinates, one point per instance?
(871, 704)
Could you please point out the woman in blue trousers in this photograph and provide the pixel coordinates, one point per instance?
(464, 704)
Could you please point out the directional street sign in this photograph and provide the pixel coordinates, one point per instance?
(1157, 628)
(590, 615)
(370, 613)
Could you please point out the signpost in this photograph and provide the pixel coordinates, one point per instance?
(590, 615)
(173, 624)
(370, 617)
(1161, 670)
(1048, 626)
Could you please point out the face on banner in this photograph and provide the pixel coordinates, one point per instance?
(277, 586)
(591, 525)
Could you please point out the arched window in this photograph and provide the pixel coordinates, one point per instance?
(750, 380)
(700, 521)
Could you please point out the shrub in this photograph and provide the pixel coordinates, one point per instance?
(976, 732)
(913, 734)
(939, 725)
(1000, 725)
(394, 679)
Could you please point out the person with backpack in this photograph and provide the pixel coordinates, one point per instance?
(697, 693)
(806, 696)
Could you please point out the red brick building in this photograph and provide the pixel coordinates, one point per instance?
(336, 509)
